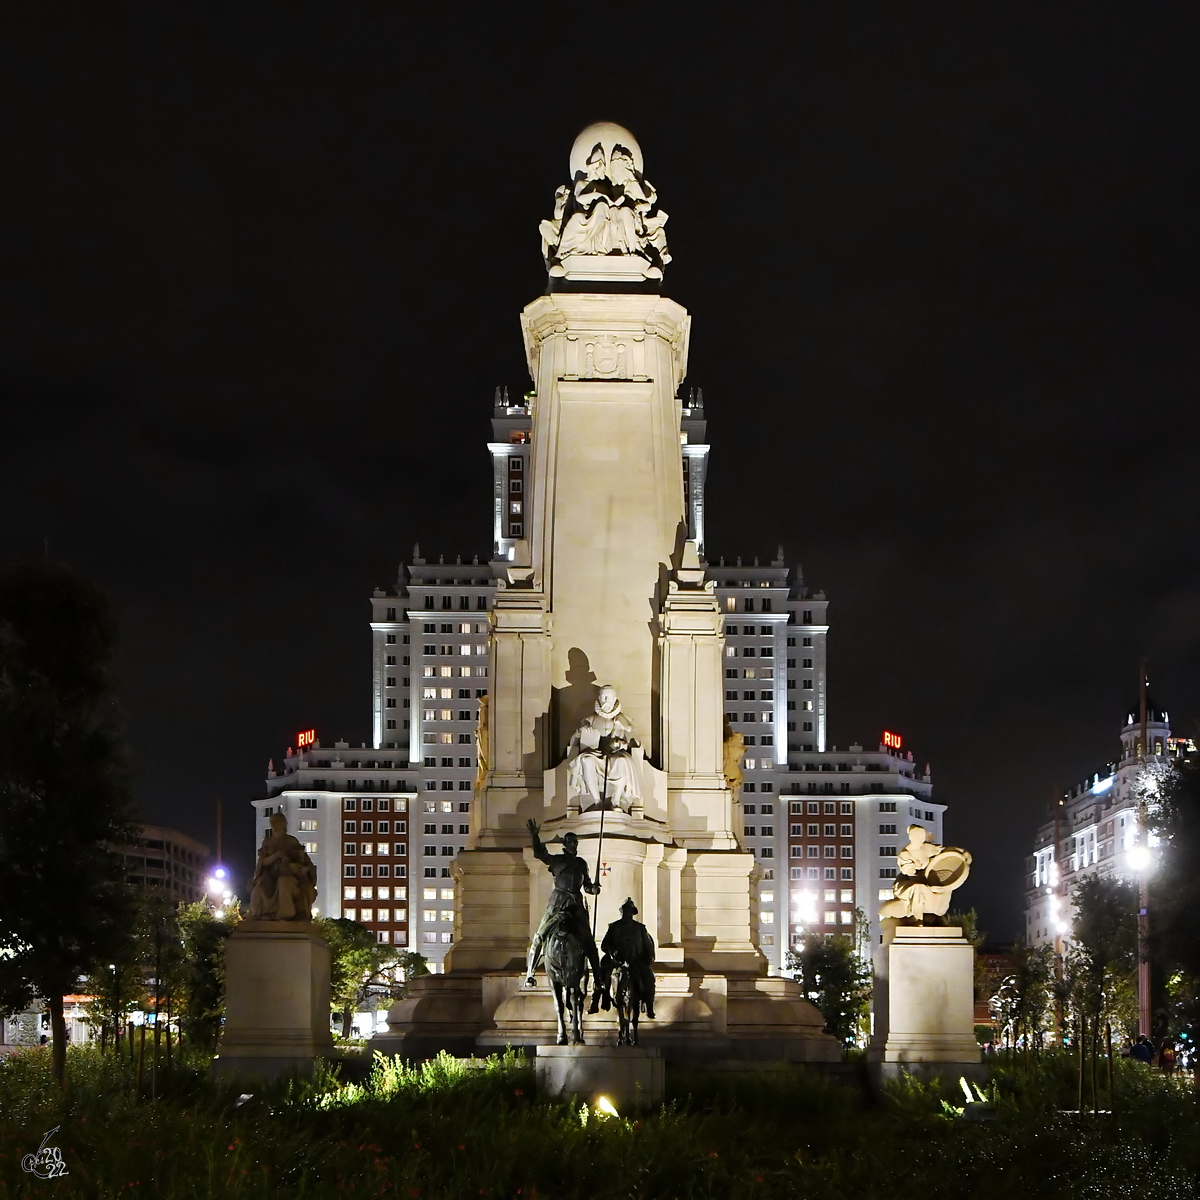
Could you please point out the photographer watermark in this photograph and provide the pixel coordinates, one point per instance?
(47, 1163)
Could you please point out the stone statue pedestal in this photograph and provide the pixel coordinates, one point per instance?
(631, 1077)
(276, 1000)
(924, 1005)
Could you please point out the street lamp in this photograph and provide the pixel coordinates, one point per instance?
(1139, 860)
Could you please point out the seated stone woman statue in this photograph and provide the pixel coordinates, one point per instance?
(929, 873)
(601, 769)
(285, 880)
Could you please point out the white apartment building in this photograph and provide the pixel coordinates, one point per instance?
(1093, 826)
(824, 824)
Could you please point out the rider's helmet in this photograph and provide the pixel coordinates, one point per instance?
(629, 909)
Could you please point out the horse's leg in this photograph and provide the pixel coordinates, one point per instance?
(577, 1014)
(558, 1012)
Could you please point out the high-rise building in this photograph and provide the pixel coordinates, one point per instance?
(166, 861)
(1091, 827)
(384, 822)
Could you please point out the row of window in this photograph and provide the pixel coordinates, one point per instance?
(397, 916)
(383, 893)
(365, 826)
(432, 650)
(732, 695)
(825, 831)
(826, 873)
(398, 849)
(754, 673)
(429, 672)
(464, 627)
(464, 603)
(821, 852)
(368, 871)
(379, 803)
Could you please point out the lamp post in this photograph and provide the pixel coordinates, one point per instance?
(1139, 860)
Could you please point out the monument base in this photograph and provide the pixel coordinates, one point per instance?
(276, 1000)
(924, 1005)
(631, 1078)
(700, 1018)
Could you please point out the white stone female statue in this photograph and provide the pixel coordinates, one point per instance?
(285, 880)
(928, 874)
(600, 762)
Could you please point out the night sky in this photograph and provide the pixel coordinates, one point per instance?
(263, 265)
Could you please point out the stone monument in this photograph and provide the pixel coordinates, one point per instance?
(276, 969)
(924, 972)
(607, 587)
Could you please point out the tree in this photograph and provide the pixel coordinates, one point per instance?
(361, 969)
(837, 979)
(1101, 962)
(201, 984)
(65, 800)
(1024, 1001)
(1175, 898)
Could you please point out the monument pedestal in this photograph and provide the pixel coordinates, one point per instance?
(631, 1077)
(924, 1005)
(276, 1000)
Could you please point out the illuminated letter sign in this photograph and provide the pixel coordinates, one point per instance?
(306, 738)
(892, 740)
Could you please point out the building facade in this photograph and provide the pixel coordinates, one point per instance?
(1092, 826)
(167, 861)
(384, 822)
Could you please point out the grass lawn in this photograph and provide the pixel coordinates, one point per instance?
(447, 1130)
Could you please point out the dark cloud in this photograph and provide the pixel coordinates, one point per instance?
(262, 268)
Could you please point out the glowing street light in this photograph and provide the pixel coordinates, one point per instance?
(1139, 858)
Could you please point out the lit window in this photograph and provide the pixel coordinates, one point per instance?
(350, 914)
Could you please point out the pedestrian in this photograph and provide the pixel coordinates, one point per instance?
(1142, 1050)
(1167, 1057)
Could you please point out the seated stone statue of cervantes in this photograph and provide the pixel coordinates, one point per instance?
(601, 768)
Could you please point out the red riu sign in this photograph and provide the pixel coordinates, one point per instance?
(892, 740)
(306, 738)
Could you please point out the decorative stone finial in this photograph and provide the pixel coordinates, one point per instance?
(607, 226)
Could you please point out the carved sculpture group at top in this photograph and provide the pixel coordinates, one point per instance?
(284, 887)
(928, 874)
(602, 771)
(609, 208)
